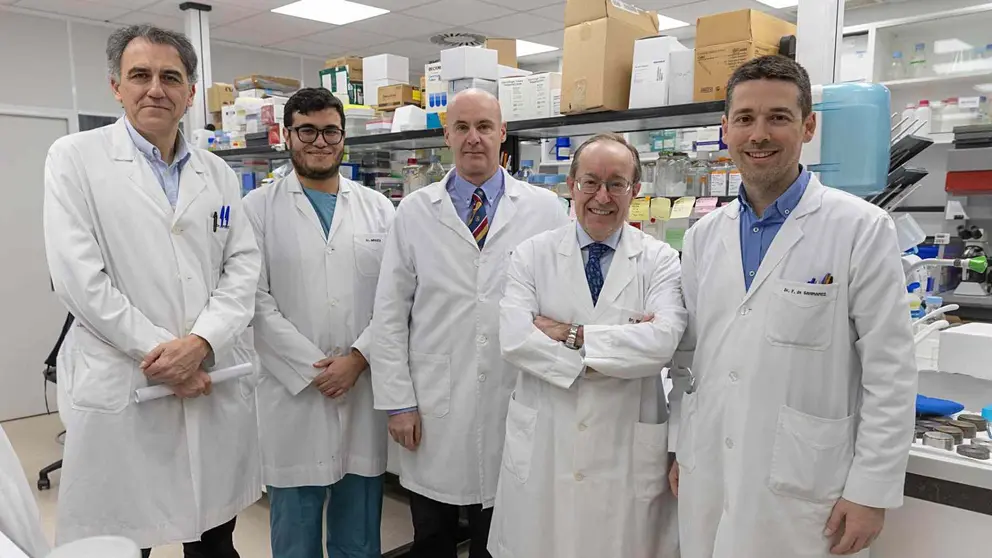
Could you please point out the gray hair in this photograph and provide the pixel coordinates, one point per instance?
(119, 40)
(607, 136)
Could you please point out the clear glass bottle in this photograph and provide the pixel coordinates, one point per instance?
(897, 68)
(698, 177)
(677, 171)
(918, 64)
(648, 178)
(435, 172)
(661, 180)
(719, 177)
(413, 177)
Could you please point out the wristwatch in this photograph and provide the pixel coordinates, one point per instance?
(573, 333)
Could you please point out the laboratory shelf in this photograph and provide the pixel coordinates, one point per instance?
(637, 120)
(972, 78)
(257, 152)
(411, 140)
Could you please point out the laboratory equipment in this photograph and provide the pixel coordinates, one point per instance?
(918, 64)
(648, 169)
(987, 415)
(719, 177)
(436, 173)
(698, 177)
(526, 170)
(974, 282)
(563, 149)
(897, 68)
(414, 177)
(924, 115)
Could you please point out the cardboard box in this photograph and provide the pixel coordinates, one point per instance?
(741, 25)
(423, 89)
(273, 114)
(469, 62)
(392, 97)
(582, 11)
(338, 80)
(457, 85)
(598, 59)
(529, 97)
(650, 74)
(263, 94)
(435, 90)
(680, 70)
(506, 51)
(217, 119)
(218, 95)
(726, 41)
(383, 67)
(352, 63)
(256, 81)
(372, 88)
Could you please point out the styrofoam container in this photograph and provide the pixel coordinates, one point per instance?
(469, 62)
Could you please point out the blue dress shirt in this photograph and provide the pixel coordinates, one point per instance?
(324, 204)
(585, 241)
(461, 192)
(757, 233)
(167, 175)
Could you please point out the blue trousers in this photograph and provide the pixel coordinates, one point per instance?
(354, 516)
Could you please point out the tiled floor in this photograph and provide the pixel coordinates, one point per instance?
(34, 440)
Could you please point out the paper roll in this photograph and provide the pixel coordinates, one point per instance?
(222, 375)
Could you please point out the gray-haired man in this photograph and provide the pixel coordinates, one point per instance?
(150, 251)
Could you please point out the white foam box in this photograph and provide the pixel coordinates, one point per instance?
(385, 66)
(529, 97)
(649, 77)
(681, 65)
(966, 349)
(435, 88)
(409, 118)
(469, 62)
(457, 85)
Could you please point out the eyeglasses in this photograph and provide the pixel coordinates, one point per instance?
(617, 187)
(308, 134)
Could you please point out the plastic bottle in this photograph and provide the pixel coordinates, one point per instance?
(924, 115)
(435, 172)
(909, 113)
(915, 301)
(413, 177)
(563, 149)
(718, 178)
(918, 65)
(734, 180)
(698, 179)
(897, 68)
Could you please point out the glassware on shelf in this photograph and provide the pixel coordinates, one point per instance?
(918, 64)
(698, 177)
(414, 177)
(719, 177)
(897, 68)
(648, 178)
(661, 174)
(525, 171)
(435, 172)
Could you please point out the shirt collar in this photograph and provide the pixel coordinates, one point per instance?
(464, 189)
(585, 240)
(785, 203)
(150, 151)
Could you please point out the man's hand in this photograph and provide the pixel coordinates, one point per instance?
(406, 429)
(176, 361)
(339, 373)
(199, 384)
(555, 330)
(673, 477)
(853, 527)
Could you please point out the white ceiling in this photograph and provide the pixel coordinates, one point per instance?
(405, 31)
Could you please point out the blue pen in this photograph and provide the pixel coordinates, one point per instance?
(225, 215)
(812, 281)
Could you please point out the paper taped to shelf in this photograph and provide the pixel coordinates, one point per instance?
(661, 208)
(640, 209)
(217, 376)
(683, 208)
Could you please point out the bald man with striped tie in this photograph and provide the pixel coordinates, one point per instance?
(437, 367)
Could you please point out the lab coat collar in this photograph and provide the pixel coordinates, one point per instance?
(445, 210)
(303, 205)
(622, 269)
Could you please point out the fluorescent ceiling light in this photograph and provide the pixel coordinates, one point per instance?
(945, 46)
(779, 4)
(665, 22)
(336, 12)
(984, 88)
(527, 48)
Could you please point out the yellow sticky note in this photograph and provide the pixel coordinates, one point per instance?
(661, 208)
(640, 209)
(683, 207)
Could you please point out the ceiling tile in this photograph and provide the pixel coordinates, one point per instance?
(300, 46)
(411, 49)
(257, 5)
(163, 21)
(347, 35)
(401, 26)
(516, 25)
(459, 12)
(77, 8)
(523, 5)
(130, 4)
(221, 14)
(267, 28)
(396, 5)
(554, 38)
(554, 12)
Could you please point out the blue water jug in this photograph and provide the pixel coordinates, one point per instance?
(854, 119)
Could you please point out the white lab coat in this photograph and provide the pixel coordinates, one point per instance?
(20, 520)
(135, 274)
(315, 297)
(805, 393)
(437, 335)
(586, 457)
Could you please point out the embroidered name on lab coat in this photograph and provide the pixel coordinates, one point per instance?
(802, 292)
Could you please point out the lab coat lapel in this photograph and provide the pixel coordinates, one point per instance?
(621, 272)
(191, 185)
(507, 207)
(445, 210)
(570, 262)
(730, 233)
(129, 161)
(305, 208)
(340, 209)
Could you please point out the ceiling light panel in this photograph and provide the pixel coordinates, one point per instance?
(335, 12)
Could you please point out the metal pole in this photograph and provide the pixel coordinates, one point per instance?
(197, 18)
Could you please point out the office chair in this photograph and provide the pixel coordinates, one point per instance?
(44, 483)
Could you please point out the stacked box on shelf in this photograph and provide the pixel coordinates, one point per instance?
(651, 77)
(339, 81)
(383, 70)
(470, 67)
(435, 94)
(530, 97)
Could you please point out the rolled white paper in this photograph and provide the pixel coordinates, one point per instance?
(222, 375)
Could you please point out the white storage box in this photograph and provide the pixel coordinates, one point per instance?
(529, 97)
(681, 64)
(509, 71)
(436, 89)
(967, 349)
(649, 78)
(469, 62)
(385, 66)
(409, 118)
(457, 85)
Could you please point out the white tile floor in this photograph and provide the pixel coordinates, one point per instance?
(34, 440)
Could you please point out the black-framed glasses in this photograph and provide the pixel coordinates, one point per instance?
(308, 134)
(615, 187)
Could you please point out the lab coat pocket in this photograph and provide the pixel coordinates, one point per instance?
(685, 452)
(650, 460)
(811, 456)
(801, 315)
(431, 382)
(518, 451)
(102, 379)
(368, 253)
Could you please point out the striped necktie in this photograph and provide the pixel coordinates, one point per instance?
(594, 270)
(478, 221)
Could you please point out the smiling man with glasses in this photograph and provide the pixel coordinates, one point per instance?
(591, 314)
(321, 237)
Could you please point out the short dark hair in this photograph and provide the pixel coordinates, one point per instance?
(118, 41)
(773, 67)
(311, 99)
(608, 136)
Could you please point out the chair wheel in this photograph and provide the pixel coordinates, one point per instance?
(44, 484)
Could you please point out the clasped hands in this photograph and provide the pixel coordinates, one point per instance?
(179, 365)
(338, 374)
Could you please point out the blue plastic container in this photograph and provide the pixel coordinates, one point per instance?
(855, 123)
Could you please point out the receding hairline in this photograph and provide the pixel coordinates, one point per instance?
(477, 94)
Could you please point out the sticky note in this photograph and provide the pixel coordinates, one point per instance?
(704, 206)
(640, 209)
(661, 208)
(674, 237)
(683, 208)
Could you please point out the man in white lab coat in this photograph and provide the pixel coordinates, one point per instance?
(795, 429)
(592, 313)
(149, 249)
(20, 521)
(437, 367)
(321, 237)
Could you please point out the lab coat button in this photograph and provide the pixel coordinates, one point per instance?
(582, 427)
(745, 311)
(176, 230)
(476, 262)
(730, 443)
(334, 302)
(482, 377)
(733, 376)
(579, 477)
(482, 339)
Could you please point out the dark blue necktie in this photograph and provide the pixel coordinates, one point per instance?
(594, 271)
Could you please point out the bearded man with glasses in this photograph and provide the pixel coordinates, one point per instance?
(321, 237)
(591, 314)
